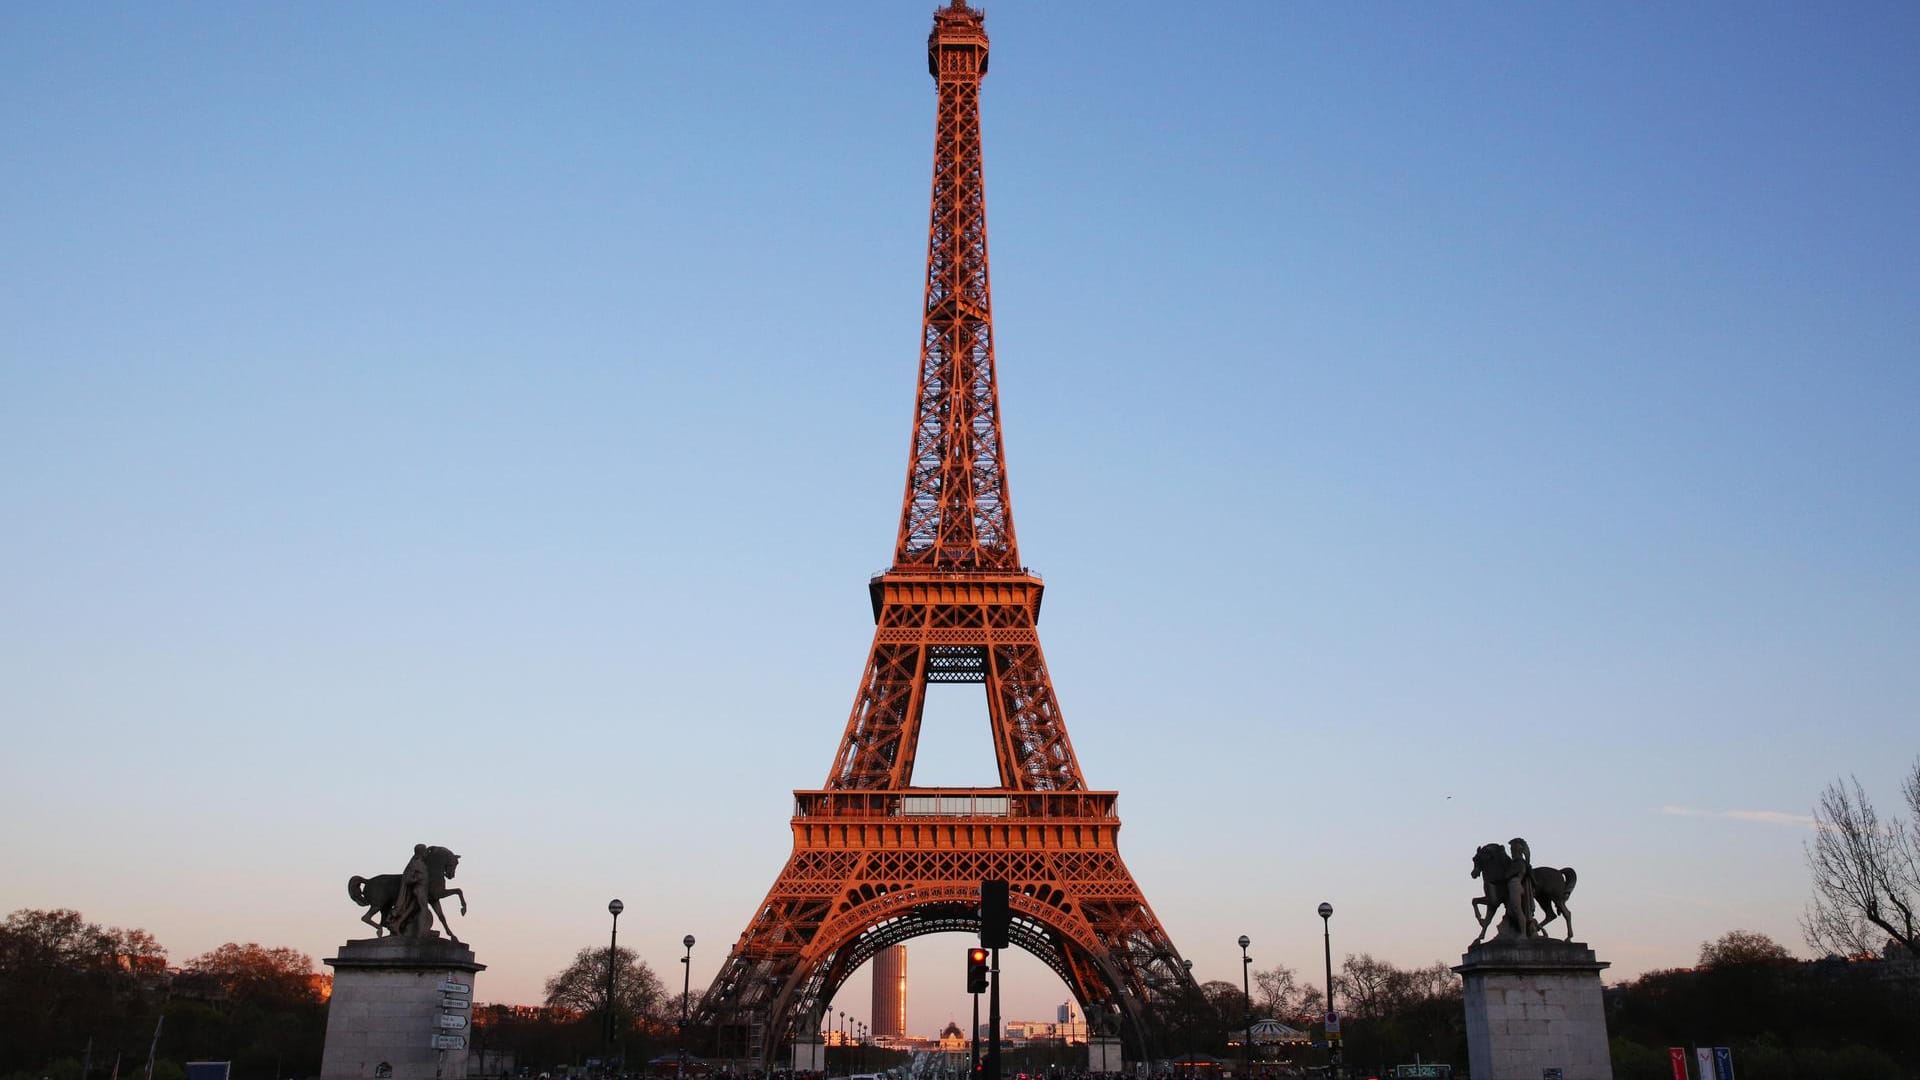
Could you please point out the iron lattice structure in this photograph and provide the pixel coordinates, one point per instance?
(877, 861)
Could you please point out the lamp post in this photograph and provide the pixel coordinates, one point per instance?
(1246, 1033)
(686, 987)
(614, 907)
(1333, 1018)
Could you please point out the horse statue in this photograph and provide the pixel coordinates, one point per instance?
(1495, 869)
(407, 903)
(1552, 887)
(1509, 880)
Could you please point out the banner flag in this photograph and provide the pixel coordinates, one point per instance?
(1704, 1056)
(1678, 1055)
(1722, 1063)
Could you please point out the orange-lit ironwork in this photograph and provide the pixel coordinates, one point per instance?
(875, 860)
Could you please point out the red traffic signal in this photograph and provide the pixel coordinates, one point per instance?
(976, 971)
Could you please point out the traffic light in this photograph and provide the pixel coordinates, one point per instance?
(976, 971)
(996, 918)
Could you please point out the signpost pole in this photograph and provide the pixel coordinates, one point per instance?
(993, 1021)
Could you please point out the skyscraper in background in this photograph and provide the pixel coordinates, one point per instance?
(890, 992)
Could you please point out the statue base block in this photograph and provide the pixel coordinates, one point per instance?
(402, 1009)
(1103, 1054)
(1534, 1011)
(809, 1055)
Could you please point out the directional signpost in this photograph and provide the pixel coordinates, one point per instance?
(455, 999)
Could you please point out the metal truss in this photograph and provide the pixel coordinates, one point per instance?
(956, 515)
(877, 861)
(866, 873)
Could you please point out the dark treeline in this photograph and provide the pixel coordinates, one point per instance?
(546, 1037)
(79, 997)
(1785, 1019)
(1390, 1015)
(80, 1001)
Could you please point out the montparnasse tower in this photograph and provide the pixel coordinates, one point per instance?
(890, 992)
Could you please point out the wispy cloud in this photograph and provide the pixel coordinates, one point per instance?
(1765, 817)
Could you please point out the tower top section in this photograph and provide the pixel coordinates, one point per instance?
(956, 517)
(958, 44)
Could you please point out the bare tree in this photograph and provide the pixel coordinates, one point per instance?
(255, 973)
(583, 985)
(1369, 988)
(1277, 992)
(1743, 947)
(1866, 872)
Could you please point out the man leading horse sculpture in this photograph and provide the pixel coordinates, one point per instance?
(1510, 880)
(407, 903)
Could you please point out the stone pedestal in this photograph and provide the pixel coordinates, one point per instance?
(1103, 1054)
(402, 1009)
(1534, 1011)
(809, 1055)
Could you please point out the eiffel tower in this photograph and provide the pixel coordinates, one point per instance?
(877, 861)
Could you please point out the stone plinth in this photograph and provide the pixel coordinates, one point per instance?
(398, 1011)
(809, 1055)
(1103, 1054)
(1534, 1006)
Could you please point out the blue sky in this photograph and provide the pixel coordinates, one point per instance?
(476, 426)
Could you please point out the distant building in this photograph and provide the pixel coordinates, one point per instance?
(1028, 1029)
(1024, 1031)
(890, 992)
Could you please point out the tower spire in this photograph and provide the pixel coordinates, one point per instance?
(955, 515)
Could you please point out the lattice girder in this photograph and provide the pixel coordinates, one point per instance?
(861, 878)
(972, 628)
(876, 860)
(956, 515)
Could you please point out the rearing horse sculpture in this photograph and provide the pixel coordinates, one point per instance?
(1511, 881)
(407, 903)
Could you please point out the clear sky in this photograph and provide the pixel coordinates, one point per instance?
(476, 424)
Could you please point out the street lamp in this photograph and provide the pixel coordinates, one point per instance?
(1246, 1034)
(1333, 1018)
(615, 907)
(686, 988)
